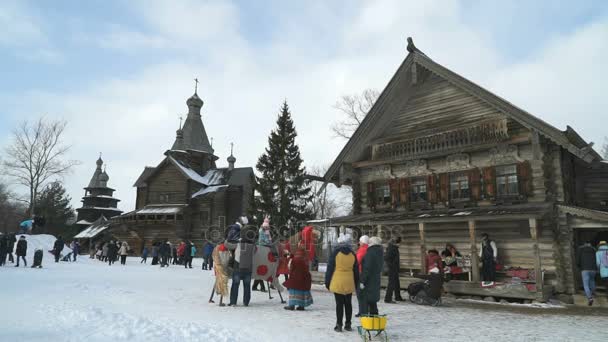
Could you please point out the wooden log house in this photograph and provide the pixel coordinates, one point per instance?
(439, 159)
(186, 196)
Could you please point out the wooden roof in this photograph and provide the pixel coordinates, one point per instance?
(399, 90)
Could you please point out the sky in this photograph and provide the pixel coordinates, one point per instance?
(119, 72)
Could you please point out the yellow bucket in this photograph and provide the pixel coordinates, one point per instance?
(373, 322)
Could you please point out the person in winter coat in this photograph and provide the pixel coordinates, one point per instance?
(587, 264)
(104, 252)
(264, 239)
(341, 278)
(173, 255)
(243, 266)
(363, 245)
(123, 251)
(308, 238)
(58, 247)
(299, 282)
(208, 255)
(601, 258)
(180, 252)
(233, 233)
(21, 250)
(75, 249)
(3, 249)
(488, 254)
(38, 254)
(12, 240)
(164, 251)
(393, 263)
(430, 294)
(371, 272)
(112, 252)
(192, 254)
(285, 256)
(155, 253)
(221, 256)
(144, 255)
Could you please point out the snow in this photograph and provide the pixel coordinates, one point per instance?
(189, 172)
(90, 301)
(39, 241)
(160, 210)
(93, 230)
(209, 190)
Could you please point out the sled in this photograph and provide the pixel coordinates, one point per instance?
(372, 328)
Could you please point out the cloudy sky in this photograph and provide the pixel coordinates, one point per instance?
(120, 71)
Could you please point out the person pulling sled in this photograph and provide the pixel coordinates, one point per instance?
(427, 292)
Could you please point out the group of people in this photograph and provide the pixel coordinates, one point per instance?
(591, 262)
(165, 253)
(111, 251)
(9, 242)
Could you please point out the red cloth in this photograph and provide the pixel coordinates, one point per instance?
(309, 243)
(283, 267)
(299, 275)
(360, 254)
(181, 249)
(222, 248)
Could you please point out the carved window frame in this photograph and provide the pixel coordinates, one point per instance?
(459, 178)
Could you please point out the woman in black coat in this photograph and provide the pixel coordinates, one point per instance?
(21, 250)
(371, 271)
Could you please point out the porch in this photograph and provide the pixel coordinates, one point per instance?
(524, 240)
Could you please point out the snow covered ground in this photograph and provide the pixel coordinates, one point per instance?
(91, 301)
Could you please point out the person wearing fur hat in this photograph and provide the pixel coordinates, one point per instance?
(341, 278)
(363, 244)
(372, 265)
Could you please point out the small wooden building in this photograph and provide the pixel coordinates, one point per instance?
(439, 159)
(186, 195)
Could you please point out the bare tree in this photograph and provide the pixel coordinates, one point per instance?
(354, 108)
(605, 148)
(11, 212)
(327, 201)
(37, 155)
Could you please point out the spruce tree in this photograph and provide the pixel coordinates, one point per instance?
(284, 192)
(54, 205)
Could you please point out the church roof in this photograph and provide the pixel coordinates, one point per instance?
(370, 126)
(141, 180)
(193, 135)
(94, 229)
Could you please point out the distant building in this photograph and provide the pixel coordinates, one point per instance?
(186, 193)
(98, 200)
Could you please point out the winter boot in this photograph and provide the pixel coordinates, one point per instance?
(347, 327)
(300, 308)
(338, 328)
(289, 307)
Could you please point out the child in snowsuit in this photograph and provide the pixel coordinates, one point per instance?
(38, 254)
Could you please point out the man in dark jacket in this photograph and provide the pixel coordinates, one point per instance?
(12, 240)
(393, 262)
(585, 260)
(112, 252)
(371, 272)
(207, 258)
(164, 251)
(243, 266)
(21, 251)
(188, 255)
(58, 247)
(3, 249)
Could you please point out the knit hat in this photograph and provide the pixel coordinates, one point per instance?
(375, 241)
(603, 243)
(266, 223)
(434, 270)
(243, 220)
(364, 239)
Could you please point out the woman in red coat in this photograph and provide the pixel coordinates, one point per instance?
(284, 252)
(299, 281)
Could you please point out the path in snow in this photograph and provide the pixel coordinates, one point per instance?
(90, 301)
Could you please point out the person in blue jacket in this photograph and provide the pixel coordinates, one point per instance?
(144, 255)
(601, 258)
(207, 252)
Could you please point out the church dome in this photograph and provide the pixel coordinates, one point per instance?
(231, 159)
(194, 101)
(103, 177)
(99, 162)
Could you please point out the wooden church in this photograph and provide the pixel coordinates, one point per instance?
(186, 195)
(439, 159)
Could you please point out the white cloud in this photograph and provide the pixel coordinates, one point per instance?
(132, 120)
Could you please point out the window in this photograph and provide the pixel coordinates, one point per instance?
(418, 192)
(459, 186)
(506, 180)
(383, 194)
(164, 198)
